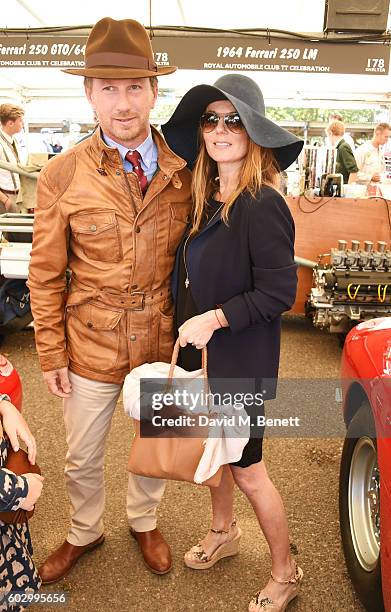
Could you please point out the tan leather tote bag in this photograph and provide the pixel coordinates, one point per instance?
(170, 456)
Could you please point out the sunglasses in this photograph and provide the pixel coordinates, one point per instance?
(209, 122)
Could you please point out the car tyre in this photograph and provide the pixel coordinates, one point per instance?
(359, 508)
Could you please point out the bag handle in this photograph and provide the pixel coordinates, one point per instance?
(174, 359)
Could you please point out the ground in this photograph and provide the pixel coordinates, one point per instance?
(114, 578)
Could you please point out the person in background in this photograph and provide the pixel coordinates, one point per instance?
(56, 147)
(346, 163)
(347, 137)
(11, 123)
(17, 568)
(370, 157)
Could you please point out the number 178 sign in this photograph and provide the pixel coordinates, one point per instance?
(276, 54)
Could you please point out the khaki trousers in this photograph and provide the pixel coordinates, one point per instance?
(87, 415)
(20, 205)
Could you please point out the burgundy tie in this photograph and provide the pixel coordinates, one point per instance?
(135, 159)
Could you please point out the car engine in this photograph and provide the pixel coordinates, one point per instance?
(354, 286)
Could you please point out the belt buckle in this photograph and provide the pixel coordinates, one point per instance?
(142, 301)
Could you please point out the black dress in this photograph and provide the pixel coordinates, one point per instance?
(189, 356)
(185, 308)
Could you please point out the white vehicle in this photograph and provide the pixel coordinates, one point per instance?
(16, 233)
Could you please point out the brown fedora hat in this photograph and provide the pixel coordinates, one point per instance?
(121, 50)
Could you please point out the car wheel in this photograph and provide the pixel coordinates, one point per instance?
(359, 508)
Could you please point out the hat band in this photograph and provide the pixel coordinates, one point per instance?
(124, 60)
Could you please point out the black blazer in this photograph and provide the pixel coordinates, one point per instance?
(248, 269)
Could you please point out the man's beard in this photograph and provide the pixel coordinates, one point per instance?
(123, 133)
(128, 132)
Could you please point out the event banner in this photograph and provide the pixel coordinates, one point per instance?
(249, 53)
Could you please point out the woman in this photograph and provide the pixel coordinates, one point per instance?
(234, 276)
(17, 568)
(346, 162)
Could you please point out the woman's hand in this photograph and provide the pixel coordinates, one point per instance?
(14, 425)
(35, 482)
(199, 329)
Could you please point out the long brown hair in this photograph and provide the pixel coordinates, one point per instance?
(259, 168)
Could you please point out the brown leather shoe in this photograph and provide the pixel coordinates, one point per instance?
(62, 560)
(154, 549)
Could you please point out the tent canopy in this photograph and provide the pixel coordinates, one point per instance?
(35, 84)
(296, 15)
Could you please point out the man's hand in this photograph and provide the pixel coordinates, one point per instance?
(8, 205)
(16, 427)
(35, 482)
(58, 382)
(376, 177)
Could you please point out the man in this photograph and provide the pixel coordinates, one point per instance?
(347, 137)
(345, 163)
(369, 156)
(11, 123)
(113, 209)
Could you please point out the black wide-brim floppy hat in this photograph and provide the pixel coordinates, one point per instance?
(182, 130)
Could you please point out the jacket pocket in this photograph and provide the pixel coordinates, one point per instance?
(97, 233)
(178, 220)
(93, 336)
(166, 333)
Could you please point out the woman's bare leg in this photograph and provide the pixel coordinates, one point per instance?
(222, 512)
(255, 483)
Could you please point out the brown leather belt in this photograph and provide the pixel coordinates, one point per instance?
(10, 192)
(132, 301)
(137, 300)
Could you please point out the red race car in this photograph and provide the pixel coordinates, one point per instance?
(365, 474)
(10, 382)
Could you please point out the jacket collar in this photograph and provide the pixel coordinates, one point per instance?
(168, 161)
(208, 226)
(7, 137)
(147, 149)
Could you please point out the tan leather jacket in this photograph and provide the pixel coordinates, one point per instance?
(120, 248)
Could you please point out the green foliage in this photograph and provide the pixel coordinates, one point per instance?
(163, 111)
(320, 114)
